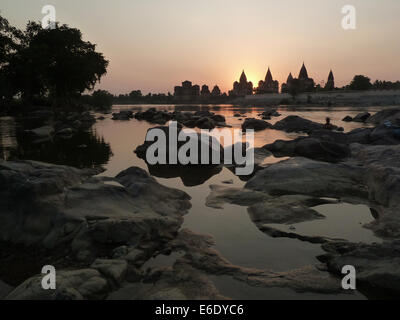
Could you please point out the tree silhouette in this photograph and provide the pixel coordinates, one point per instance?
(49, 63)
(360, 82)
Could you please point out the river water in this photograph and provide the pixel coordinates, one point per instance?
(111, 144)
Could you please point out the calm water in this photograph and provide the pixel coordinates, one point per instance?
(111, 144)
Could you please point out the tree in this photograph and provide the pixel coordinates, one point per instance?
(10, 42)
(56, 63)
(360, 82)
(102, 99)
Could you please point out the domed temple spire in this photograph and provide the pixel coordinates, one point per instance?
(331, 77)
(268, 77)
(243, 77)
(303, 72)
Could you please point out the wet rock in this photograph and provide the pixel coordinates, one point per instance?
(111, 269)
(221, 194)
(310, 148)
(310, 177)
(71, 285)
(191, 174)
(347, 119)
(65, 132)
(123, 115)
(65, 207)
(267, 115)
(42, 132)
(298, 124)
(361, 117)
(286, 210)
(387, 114)
(255, 124)
(5, 289)
(377, 265)
(205, 123)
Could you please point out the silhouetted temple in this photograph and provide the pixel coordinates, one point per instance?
(269, 85)
(330, 84)
(205, 91)
(242, 88)
(303, 82)
(187, 91)
(216, 92)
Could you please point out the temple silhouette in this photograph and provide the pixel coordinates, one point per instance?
(269, 85)
(303, 83)
(241, 88)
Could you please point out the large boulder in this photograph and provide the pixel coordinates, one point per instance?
(361, 117)
(310, 148)
(377, 265)
(123, 115)
(309, 177)
(71, 285)
(387, 114)
(191, 174)
(66, 207)
(298, 124)
(255, 124)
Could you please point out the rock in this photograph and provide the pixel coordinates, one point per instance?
(218, 118)
(286, 210)
(5, 289)
(123, 115)
(191, 174)
(347, 119)
(237, 115)
(65, 132)
(361, 117)
(42, 132)
(221, 194)
(387, 114)
(267, 115)
(205, 123)
(377, 265)
(60, 202)
(71, 285)
(310, 148)
(309, 177)
(298, 124)
(112, 269)
(255, 124)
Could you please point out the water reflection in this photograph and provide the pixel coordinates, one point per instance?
(84, 149)
(191, 176)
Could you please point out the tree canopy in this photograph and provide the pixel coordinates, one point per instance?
(360, 82)
(53, 63)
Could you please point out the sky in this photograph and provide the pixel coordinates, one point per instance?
(154, 45)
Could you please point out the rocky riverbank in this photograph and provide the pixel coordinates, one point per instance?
(360, 169)
(121, 237)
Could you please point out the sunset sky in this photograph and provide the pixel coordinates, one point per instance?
(154, 45)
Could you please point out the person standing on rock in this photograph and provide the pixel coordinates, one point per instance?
(328, 125)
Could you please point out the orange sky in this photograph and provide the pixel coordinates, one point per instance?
(154, 45)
